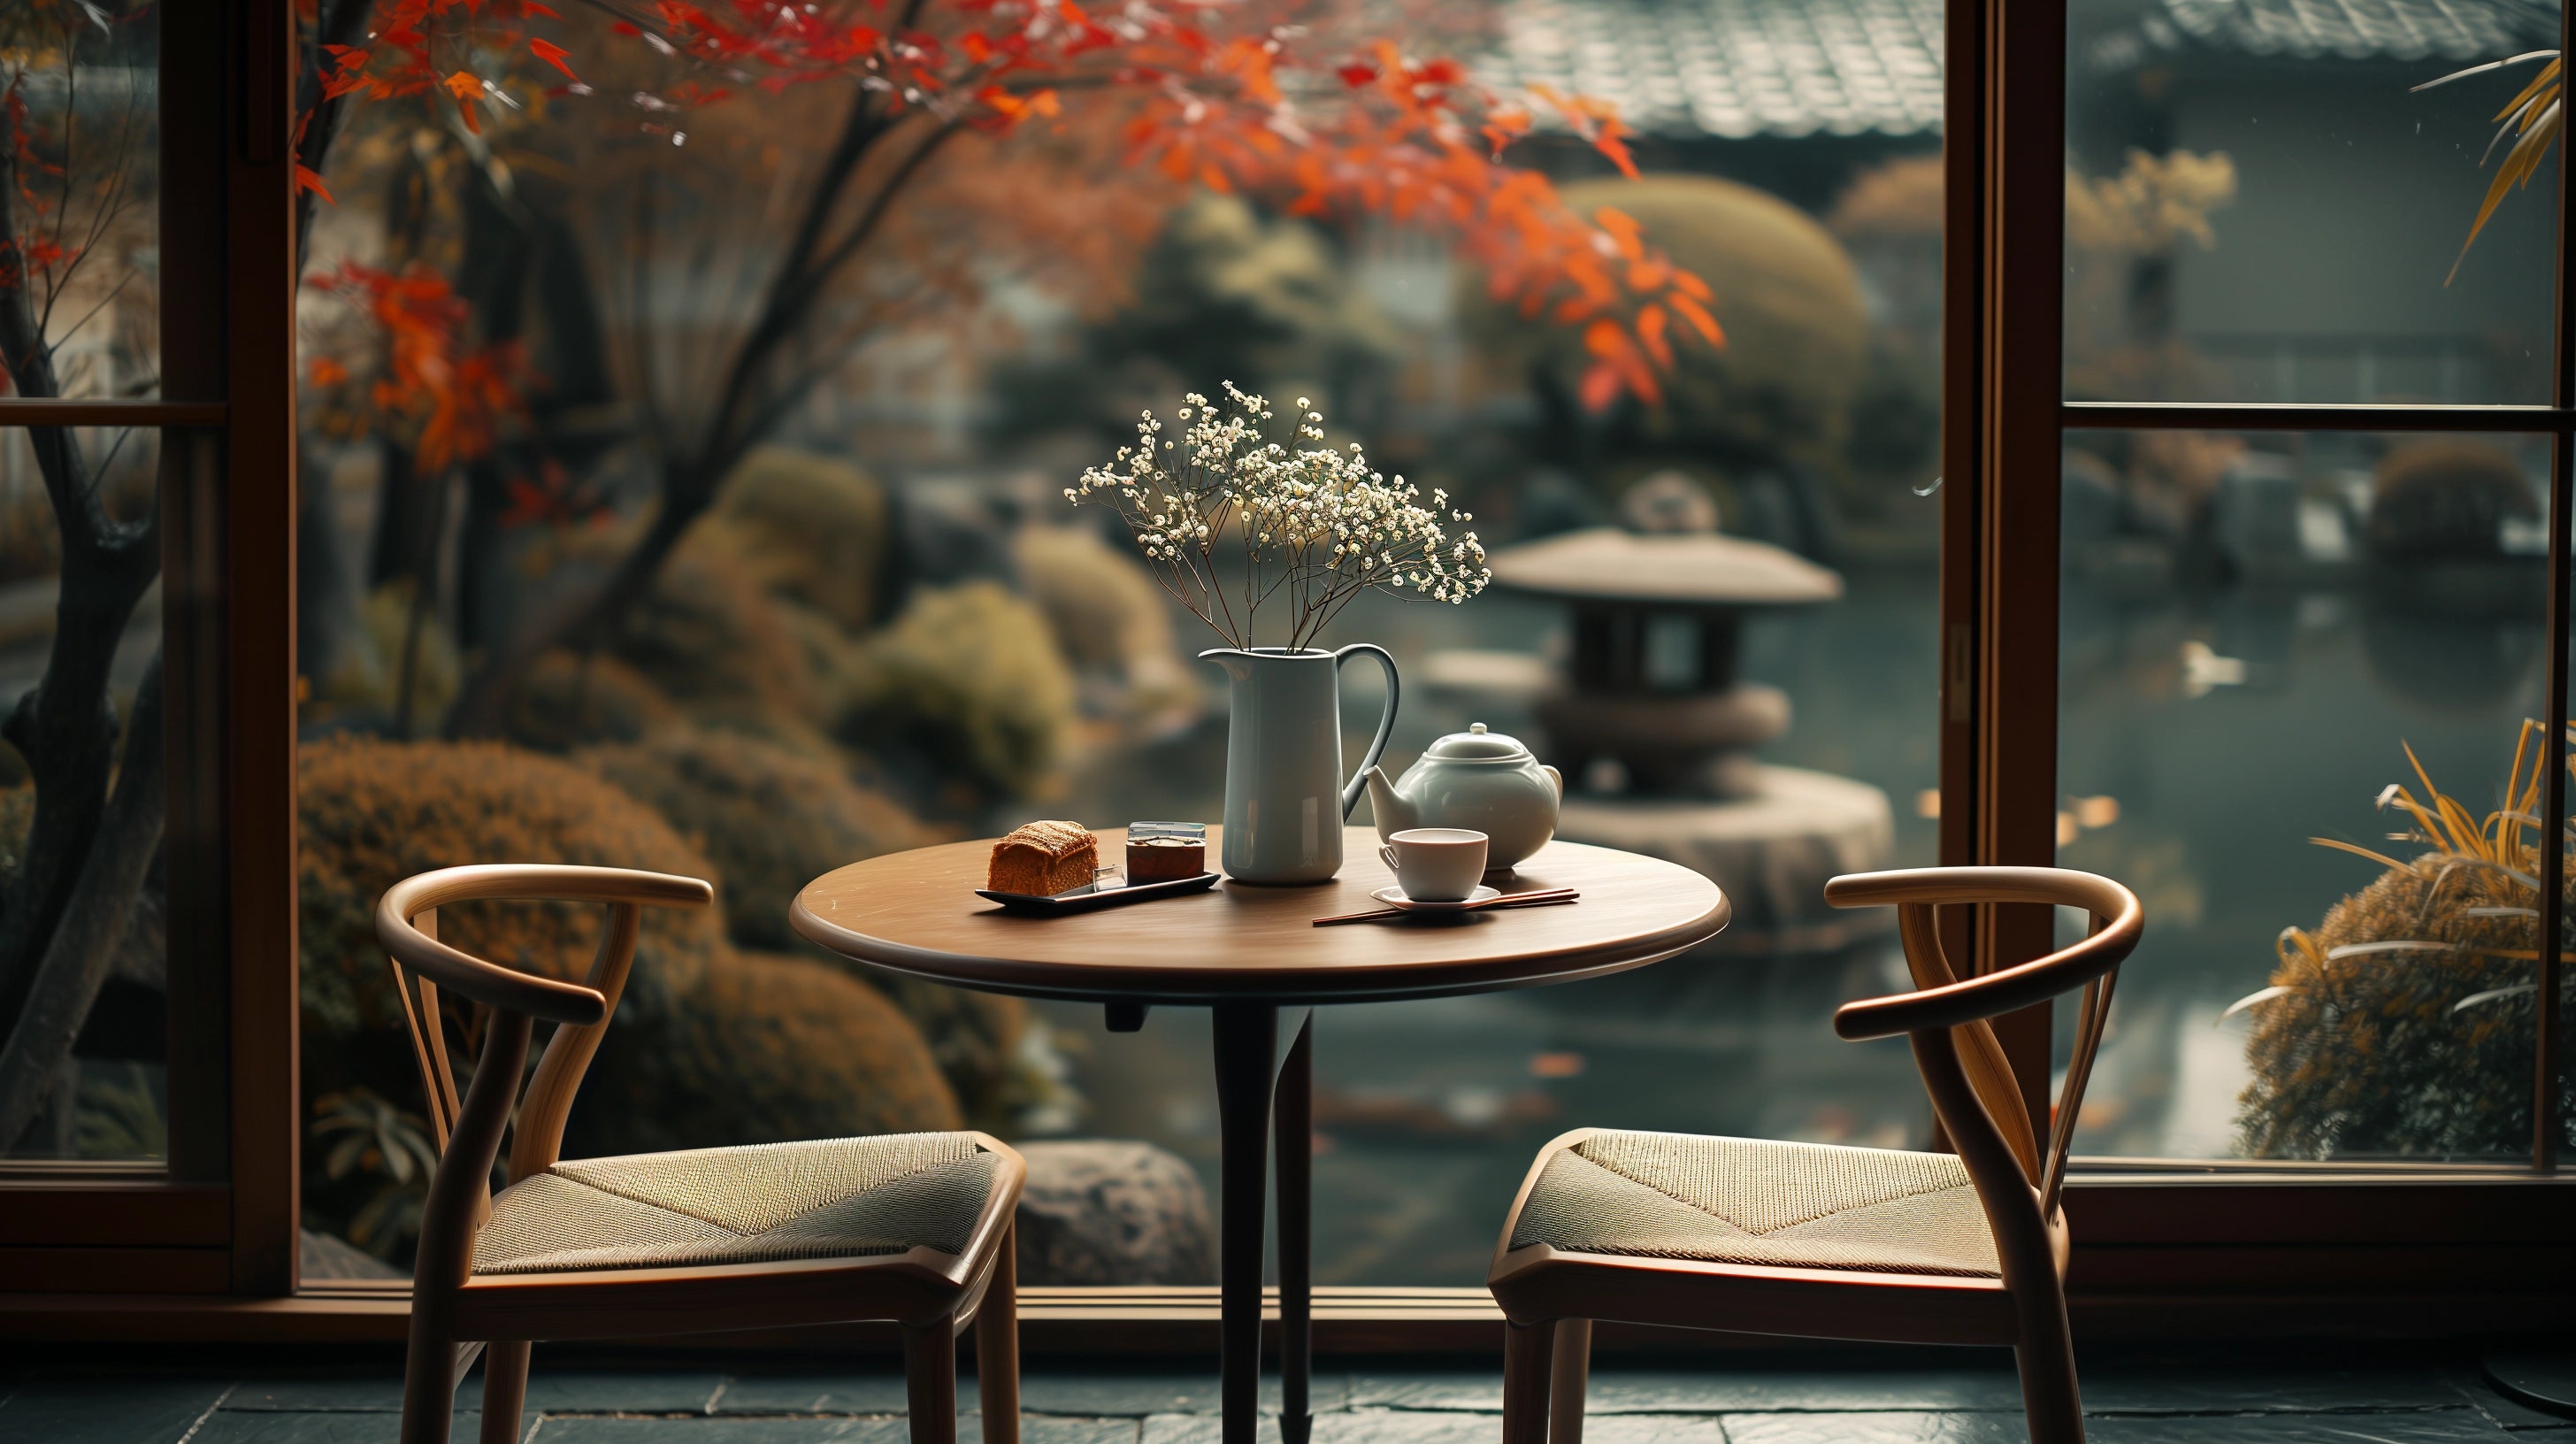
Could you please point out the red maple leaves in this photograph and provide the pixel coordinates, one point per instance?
(450, 398)
(1234, 97)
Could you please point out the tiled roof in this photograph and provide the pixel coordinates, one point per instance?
(1738, 68)
(1735, 68)
(2450, 30)
(2356, 29)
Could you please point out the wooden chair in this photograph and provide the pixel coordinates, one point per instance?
(912, 1228)
(1815, 1241)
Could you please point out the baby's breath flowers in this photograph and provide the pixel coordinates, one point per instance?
(1315, 526)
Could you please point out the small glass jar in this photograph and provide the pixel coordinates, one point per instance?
(1165, 851)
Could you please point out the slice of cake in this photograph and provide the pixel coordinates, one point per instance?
(1042, 859)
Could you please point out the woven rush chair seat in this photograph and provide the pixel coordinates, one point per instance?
(835, 1198)
(1753, 1201)
(1804, 1240)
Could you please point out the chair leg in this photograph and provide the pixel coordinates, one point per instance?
(997, 1347)
(930, 1380)
(1528, 1355)
(429, 1379)
(1570, 1368)
(505, 1389)
(2046, 1355)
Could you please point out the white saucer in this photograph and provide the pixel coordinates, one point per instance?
(1394, 897)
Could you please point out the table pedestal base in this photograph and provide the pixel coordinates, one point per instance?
(1251, 1082)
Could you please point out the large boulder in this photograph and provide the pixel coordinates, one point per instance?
(1113, 1211)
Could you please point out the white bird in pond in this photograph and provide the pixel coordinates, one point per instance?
(2203, 669)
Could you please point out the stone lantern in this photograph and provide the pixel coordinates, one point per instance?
(1654, 728)
(1650, 682)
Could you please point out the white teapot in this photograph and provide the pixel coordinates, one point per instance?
(1473, 779)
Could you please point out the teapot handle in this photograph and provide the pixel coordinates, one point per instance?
(1385, 722)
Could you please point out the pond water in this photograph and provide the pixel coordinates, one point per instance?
(2225, 727)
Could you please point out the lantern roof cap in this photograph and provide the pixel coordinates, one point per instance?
(1688, 568)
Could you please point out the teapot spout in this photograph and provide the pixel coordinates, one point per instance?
(1388, 807)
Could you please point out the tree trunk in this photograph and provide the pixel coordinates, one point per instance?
(84, 947)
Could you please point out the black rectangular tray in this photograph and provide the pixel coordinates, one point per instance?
(1086, 899)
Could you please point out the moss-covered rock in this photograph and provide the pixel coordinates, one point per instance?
(970, 677)
(808, 527)
(770, 819)
(572, 699)
(765, 1049)
(2372, 1053)
(1787, 296)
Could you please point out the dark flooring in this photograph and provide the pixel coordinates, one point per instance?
(287, 1397)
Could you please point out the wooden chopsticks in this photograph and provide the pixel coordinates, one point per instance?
(1539, 898)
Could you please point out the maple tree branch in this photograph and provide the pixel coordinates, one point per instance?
(66, 726)
(342, 22)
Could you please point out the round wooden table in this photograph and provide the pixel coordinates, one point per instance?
(1248, 953)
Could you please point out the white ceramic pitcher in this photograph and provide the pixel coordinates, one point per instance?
(1285, 792)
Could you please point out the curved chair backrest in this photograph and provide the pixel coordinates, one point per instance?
(469, 1130)
(1964, 1067)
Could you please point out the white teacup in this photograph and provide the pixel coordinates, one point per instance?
(1436, 864)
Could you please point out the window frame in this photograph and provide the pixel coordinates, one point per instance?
(219, 1217)
(207, 1249)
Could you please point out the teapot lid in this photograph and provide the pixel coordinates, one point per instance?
(1477, 745)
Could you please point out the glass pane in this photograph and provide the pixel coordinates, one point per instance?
(887, 627)
(2262, 207)
(80, 208)
(2280, 653)
(83, 982)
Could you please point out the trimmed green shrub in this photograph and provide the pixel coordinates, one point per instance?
(808, 527)
(969, 676)
(770, 819)
(765, 1049)
(571, 699)
(1787, 296)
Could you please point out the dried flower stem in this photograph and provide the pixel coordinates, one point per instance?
(1314, 523)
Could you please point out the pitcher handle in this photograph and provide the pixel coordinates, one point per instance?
(1385, 724)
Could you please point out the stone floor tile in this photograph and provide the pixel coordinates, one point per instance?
(1373, 1426)
(850, 1393)
(2153, 1389)
(606, 1391)
(1879, 1427)
(1646, 1429)
(274, 1426)
(108, 1409)
(591, 1429)
(1715, 1391)
(1111, 1392)
(1048, 1429)
(2507, 1413)
(2423, 1426)
(1209, 1429)
(318, 1394)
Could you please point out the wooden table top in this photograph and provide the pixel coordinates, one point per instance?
(916, 912)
